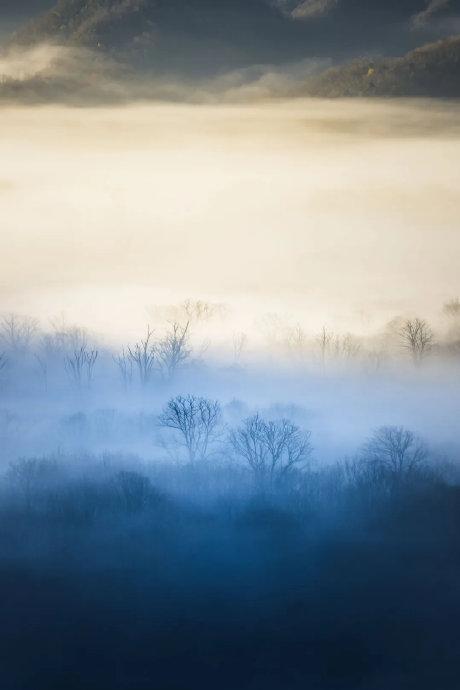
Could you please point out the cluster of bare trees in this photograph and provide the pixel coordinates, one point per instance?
(390, 460)
(165, 356)
(80, 366)
(270, 448)
(17, 332)
(162, 356)
(414, 337)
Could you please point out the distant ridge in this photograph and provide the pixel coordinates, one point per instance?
(432, 70)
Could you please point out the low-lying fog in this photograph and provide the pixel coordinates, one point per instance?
(342, 212)
(286, 217)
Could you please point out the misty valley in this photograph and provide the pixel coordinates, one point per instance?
(279, 516)
(229, 345)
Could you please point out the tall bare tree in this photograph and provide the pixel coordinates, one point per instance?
(143, 356)
(196, 421)
(394, 452)
(173, 351)
(324, 340)
(417, 338)
(271, 448)
(80, 366)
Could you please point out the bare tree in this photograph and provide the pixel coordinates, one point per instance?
(80, 366)
(196, 420)
(173, 351)
(324, 340)
(452, 308)
(125, 366)
(417, 338)
(394, 453)
(3, 361)
(17, 332)
(192, 311)
(143, 356)
(200, 310)
(271, 448)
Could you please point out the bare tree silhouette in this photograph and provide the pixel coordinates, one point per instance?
(143, 356)
(270, 448)
(17, 332)
(197, 422)
(417, 338)
(173, 351)
(80, 366)
(392, 455)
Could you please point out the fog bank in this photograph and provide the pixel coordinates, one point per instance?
(329, 212)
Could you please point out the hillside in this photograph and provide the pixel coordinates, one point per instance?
(432, 70)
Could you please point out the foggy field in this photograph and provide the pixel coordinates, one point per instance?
(229, 395)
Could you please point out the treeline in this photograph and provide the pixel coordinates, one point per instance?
(70, 355)
(204, 458)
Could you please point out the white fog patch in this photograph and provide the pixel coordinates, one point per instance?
(343, 213)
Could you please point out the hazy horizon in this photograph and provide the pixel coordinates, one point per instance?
(342, 213)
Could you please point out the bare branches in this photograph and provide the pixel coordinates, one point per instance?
(190, 311)
(324, 341)
(417, 338)
(143, 356)
(199, 310)
(80, 366)
(271, 448)
(17, 332)
(172, 351)
(452, 308)
(394, 452)
(196, 420)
